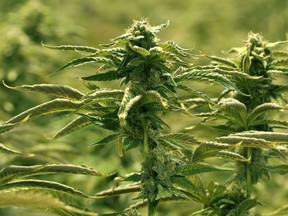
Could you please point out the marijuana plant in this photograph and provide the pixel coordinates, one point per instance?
(151, 73)
(245, 117)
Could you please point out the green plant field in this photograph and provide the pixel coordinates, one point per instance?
(164, 108)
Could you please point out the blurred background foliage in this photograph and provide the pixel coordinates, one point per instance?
(209, 26)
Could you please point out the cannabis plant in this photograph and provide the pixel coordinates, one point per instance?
(245, 120)
(151, 74)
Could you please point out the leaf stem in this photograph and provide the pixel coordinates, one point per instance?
(145, 135)
(248, 173)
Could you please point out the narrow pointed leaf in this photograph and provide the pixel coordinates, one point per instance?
(38, 200)
(61, 91)
(9, 126)
(105, 76)
(140, 50)
(231, 155)
(186, 185)
(123, 111)
(74, 125)
(43, 185)
(268, 136)
(246, 141)
(197, 168)
(183, 138)
(107, 139)
(85, 60)
(262, 109)
(5, 150)
(50, 107)
(224, 61)
(14, 172)
(72, 47)
(157, 97)
(119, 190)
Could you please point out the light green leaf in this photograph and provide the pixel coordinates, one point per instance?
(224, 61)
(231, 155)
(72, 47)
(123, 189)
(15, 172)
(48, 186)
(6, 150)
(245, 206)
(265, 135)
(126, 105)
(234, 110)
(208, 149)
(37, 200)
(74, 125)
(279, 169)
(182, 138)
(197, 168)
(246, 141)
(194, 192)
(139, 50)
(9, 126)
(105, 76)
(50, 107)
(261, 110)
(85, 60)
(107, 139)
(157, 97)
(61, 91)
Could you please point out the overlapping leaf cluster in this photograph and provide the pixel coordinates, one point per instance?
(246, 117)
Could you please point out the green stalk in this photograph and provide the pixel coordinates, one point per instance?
(248, 173)
(152, 207)
(145, 136)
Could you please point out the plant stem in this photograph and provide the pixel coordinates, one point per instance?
(145, 135)
(152, 207)
(248, 173)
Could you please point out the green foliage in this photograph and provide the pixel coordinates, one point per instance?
(153, 75)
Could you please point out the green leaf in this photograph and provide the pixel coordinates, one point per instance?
(37, 200)
(279, 169)
(61, 91)
(107, 139)
(158, 28)
(270, 122)
(156, 96)
(208, 149)
(234, 110)
(50, 107)
(6, 150)
(231, 155)
(72, 47)
(194, 192)
(105, 76)
(85, 60)
(9, 126)
(268, 136)
(139, 50)
(182, 138)
(224, 61)
(172, 47)
(123, 189)
(74, 125)
(281, 62)
(261, 110)
(48, 186)
(200, 75)
(197, 168)
(246, 141)
(245, 206)
(15, 172)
